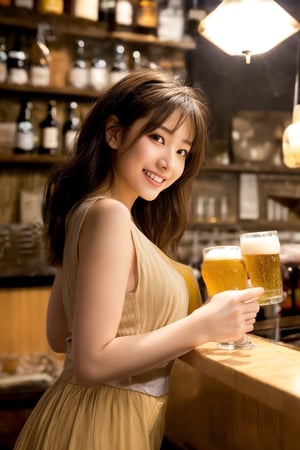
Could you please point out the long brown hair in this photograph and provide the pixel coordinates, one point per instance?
(147, 93)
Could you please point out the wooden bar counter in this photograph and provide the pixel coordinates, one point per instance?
(236, 400)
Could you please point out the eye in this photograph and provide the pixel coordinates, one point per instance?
(157, 138)
(183, 152)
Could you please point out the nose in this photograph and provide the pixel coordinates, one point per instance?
(166, 161)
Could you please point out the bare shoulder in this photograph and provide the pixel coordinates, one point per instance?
(108, 213)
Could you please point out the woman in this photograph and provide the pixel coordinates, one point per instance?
(114, 214)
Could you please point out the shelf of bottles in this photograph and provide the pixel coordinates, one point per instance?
(68, 51)
(97, 26)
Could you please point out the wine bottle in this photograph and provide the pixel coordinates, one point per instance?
(3, 59)
(79, 72)
(171, 21)
(71, 127)
(86, 9)
(39, 55)
(119, 67)
(24, 142)
(99, 73)
(50, 6)
(49, 132)
(125, 15)
(107, 12)
(17, 63)
(146, 17)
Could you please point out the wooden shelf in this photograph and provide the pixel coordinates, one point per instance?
(27, 160)
(65, 24)
(248, 168)
(65, 91)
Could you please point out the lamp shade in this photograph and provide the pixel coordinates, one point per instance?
(248, 27)
(291, 141)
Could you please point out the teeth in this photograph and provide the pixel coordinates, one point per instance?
(153, 177)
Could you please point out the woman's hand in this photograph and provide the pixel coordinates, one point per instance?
(230, 314)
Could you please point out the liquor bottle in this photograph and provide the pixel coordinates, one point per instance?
(39, 55)
(107, 12)
(79, 71)
(194, 15)
(99, 74)
(50, 6)
(24, 142)
(29, 4)
(146, 17)
(3, 59)
(49, 132)
(86, 9)
(71, 127)
(119, 67)
(171, 21)
(17, 62)
(125, 15)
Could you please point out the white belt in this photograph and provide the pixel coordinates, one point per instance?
(155, 387)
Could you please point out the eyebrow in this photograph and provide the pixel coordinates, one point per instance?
(186, 141)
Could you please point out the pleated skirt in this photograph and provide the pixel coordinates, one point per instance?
(71, 417)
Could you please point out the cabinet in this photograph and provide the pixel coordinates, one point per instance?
(21, 172)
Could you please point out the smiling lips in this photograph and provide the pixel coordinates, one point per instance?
(154, 177)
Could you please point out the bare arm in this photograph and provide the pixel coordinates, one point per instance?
(57, 330)
(105, 261)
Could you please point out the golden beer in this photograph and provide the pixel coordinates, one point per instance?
(261, 251)
(223, 269)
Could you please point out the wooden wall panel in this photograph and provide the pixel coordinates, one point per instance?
(23, 320)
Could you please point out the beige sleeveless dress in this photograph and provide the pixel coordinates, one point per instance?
(126, 414)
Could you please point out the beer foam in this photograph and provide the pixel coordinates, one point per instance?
(263, 245)
(223, 253)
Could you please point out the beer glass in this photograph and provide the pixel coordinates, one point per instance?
(261, 252)
(223, 269)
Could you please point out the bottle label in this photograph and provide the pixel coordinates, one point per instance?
(98, 77)
(24, 3)
(124, 13)
(50, 137)
(79, 77)
(25, 141)
(51, 6)
(116, 76)
(86, 9)
(40, 76)
(17, 76)
(69, 140)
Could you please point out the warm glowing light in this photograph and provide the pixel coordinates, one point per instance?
(248, 27)
(291, 141)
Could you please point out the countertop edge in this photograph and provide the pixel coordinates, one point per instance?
(273, 380)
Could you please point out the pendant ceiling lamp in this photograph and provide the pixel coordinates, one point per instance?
(248, 27)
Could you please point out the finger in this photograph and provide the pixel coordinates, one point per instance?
(251, 294)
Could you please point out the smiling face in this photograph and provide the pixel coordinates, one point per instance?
(146, 166)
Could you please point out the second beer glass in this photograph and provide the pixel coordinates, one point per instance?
(261, 253)
(223, 269)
